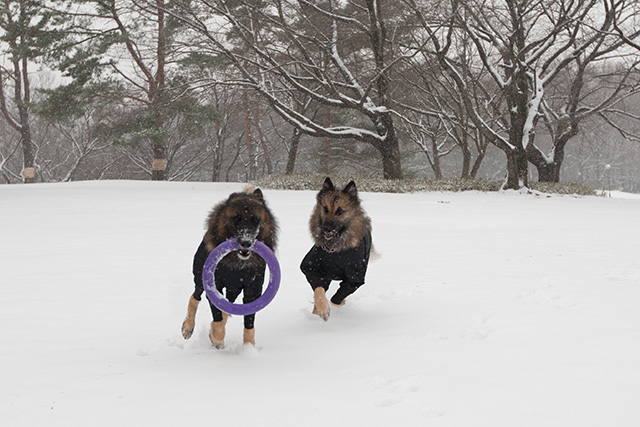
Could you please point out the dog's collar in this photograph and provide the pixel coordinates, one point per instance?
(330, 250)
(331, 246)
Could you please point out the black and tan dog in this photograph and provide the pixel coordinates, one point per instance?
(341, 231)
(246, 217)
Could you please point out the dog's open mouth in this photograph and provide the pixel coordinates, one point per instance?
(328, 235)
(244, 254)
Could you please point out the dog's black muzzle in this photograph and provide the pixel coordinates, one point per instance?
(246, 238)
(329, 231)
(245, 243)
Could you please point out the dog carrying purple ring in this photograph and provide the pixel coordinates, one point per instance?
(216, 297)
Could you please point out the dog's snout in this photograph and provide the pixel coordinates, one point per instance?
(246, 238)
(245, 243)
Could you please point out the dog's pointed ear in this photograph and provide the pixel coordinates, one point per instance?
(351, 191)
(258, 193)
(328, 185)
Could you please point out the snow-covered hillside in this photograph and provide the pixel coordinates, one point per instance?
(499, 309)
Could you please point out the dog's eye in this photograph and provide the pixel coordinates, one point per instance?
(326, 210)
(255, 219)
(339, 211)
(236, 218)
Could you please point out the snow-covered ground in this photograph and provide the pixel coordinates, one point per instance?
(500, 309)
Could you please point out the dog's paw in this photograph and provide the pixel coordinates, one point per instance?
(324, 314)
(217, 333)
(187, 329)
(320, 304)
(216, 342)
(190, 321)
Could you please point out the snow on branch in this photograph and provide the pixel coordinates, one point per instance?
(534, 108)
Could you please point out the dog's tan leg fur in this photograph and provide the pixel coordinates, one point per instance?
(190, 321)
(320, 303)
(249, 336)
(217, 332)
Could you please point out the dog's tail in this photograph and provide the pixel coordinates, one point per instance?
(249, 188)
(373, 254)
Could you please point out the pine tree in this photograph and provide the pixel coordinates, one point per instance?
(32, 32)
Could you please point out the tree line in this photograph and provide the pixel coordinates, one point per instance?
(236, 89)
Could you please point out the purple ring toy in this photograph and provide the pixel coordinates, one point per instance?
(216, 297)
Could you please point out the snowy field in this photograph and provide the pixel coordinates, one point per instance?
(500, 309)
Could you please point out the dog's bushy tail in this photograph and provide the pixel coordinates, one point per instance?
(374, 255)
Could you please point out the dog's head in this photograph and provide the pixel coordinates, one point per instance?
(336, 215)
(245, 217)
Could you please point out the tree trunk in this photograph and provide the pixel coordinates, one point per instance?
(558, 157)
(517, 170)
(28, 170)
(549, 174)
(263, 144)
(28, 155)
(293, 151)
(389, 148)
(326, 145)
(159, 165)
(391, 166)
(22, 99)
(549, 171)
(437, 169)
(247, 131)
(476, 165)
(466, 161)
(216, 161)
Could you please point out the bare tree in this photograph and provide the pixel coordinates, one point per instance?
(69, 148)
(599, 79)
(524, 46)
(434, 116)
(583, 95)
(301, 107)
(338, 54)
(626, 20)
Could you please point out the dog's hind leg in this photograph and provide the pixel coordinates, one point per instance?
(217, 332)
(190, 321)
(320, 303)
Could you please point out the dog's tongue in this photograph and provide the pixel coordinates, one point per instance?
(328, 235)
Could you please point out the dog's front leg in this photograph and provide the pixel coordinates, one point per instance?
(320, 303)
(190, 321)
(249, 336)
(217, 332)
